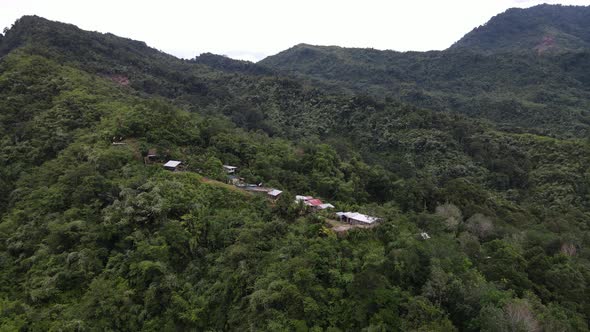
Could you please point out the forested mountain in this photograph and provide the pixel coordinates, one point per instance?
(93, 238)
(521, 91)
(540, 29)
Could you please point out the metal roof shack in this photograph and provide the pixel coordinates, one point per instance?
(274, 194)
(151, 157)
(314, 203)
(299, 198)
(356, 218)
(152, 153)
(230, 169)
(271, 193)
(172, 165)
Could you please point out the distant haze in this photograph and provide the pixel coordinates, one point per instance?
(251, 30)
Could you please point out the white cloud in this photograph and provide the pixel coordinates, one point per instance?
(256, 28)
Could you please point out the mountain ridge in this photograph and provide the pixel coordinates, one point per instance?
(540, 29)
(540, 92)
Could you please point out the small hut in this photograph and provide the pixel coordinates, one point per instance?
(314, 203)
(230, 169)
(151, 157)
(274, 194)
(355, 218)
(173, 165)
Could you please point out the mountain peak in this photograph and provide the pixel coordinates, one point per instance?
(543, 28)
(35, 30)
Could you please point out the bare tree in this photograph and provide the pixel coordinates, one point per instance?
(452, 215)
(480, 225)
(520, 317)
(568, 249)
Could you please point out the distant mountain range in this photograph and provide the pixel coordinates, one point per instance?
(524, 70)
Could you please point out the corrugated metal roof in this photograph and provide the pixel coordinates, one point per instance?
(314, 202)
(275, 192)
(172, 163)
(358, 217)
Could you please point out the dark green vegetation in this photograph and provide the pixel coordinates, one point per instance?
(92, 239)
(541, 29)
(520, 89)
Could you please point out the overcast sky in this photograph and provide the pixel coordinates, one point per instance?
(253, 29)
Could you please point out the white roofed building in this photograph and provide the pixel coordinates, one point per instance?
(274, 194)
(230, 169)
(314, 203)
(355, 218)
(172, 165)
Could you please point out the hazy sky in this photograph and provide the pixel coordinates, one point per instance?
(253, 29)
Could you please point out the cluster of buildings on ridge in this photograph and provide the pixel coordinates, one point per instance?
(315, 204)
(353, 218)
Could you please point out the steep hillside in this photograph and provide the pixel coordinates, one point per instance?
(93, 238)
(519, 91)
(540, 29)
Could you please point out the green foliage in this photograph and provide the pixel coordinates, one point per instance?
(517, 90)
(92, 238)
(542, 29)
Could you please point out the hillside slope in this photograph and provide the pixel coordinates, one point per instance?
(518, 90)
(540, 29)
(92, 238)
